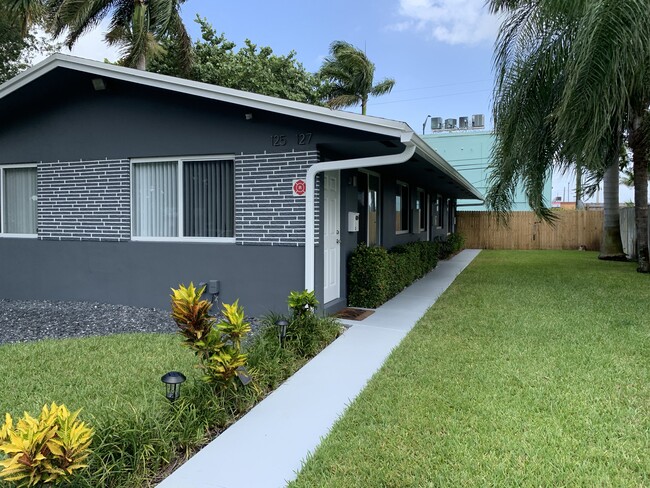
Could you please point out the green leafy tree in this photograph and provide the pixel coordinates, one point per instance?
(255, 69)
(349, 77)
(137, 27)
(19, 44)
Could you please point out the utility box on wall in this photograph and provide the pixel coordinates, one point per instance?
(353, 222)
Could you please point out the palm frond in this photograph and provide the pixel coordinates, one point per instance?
(342, 101)
(383, 87)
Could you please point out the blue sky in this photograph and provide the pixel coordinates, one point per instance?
(438, 51)
(437, 73)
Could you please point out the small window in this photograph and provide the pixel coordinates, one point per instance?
(421, 207)
(18, 200)
(184, 198)
(402, 208)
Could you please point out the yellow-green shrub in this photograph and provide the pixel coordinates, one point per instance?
(218, 345)
(191, 314)
(46, 450)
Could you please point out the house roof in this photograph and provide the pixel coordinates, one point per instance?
(377, 125)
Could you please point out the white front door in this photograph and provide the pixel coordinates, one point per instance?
(332, 237)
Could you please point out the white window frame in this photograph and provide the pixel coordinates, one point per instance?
(179, 188)
(3, 167)
(401, 184)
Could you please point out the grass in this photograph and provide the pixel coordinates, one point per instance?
(93, 373)
(116, 382)
(531, 370)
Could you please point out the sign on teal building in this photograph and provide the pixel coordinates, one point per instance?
(469, 153)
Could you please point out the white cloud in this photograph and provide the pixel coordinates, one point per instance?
(450, 21)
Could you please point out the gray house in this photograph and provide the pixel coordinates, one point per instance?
(117, 184)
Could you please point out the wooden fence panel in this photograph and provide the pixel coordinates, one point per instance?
(574, 228)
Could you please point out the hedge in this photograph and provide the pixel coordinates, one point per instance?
(375, 275)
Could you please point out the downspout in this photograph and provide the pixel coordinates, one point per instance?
(310, 205)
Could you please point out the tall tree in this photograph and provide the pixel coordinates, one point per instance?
(251, 68)
(349, 77)
(535, 44)
(19, 43)
(137, 27)
(26, 13)
(608, 91)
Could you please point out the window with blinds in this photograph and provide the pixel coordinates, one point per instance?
(18, 200)
(192, 198)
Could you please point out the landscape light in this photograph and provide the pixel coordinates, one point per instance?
(173, 381)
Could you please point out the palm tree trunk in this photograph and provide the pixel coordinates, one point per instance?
(639, 147)
(579, 203)
(611, 246)
(364, 105)
(142, 63)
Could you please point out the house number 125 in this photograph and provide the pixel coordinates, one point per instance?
(278, 140)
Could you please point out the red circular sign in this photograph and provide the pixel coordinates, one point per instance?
(299, 187)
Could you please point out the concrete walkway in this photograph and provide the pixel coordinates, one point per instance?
(266, 447)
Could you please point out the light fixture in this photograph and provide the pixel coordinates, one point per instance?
(243, 375)
(99, 84)
(173, 381)
(282, 331)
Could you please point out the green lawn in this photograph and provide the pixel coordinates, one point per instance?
(115, 380)
(100, 374)
(531, 370)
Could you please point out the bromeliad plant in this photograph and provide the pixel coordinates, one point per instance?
(44, 451)
(218, 345)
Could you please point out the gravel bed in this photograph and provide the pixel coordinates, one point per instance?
(31, 320)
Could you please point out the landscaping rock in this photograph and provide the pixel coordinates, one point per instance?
(30, 320)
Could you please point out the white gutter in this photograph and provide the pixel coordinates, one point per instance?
(314, 169)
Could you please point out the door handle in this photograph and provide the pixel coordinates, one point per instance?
(338, 241)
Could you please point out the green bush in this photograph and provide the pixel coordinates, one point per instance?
(306, 335)
(449, 246)
(376, 275)
(218, 345)
(368, 270)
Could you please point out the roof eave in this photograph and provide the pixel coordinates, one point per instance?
(439, 162)
(378, 125)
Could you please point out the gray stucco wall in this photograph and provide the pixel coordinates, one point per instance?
(142, 273)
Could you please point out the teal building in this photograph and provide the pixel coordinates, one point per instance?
(468, 151)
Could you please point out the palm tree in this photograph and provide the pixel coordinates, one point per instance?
(608, 92)
(349, 74)
(26, 12)
(136, 26)
(535, 44)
